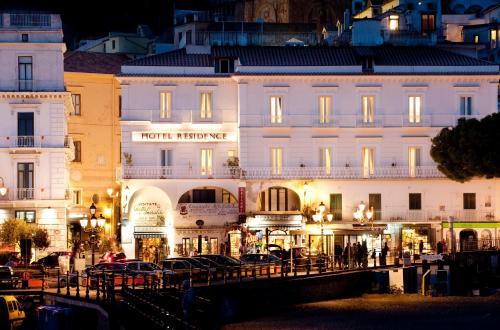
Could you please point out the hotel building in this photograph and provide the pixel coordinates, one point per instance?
(224, 146)
(35, 149)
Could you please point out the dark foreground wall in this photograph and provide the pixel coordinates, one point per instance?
(237, 301)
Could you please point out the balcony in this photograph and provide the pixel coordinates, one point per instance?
(353, 121)
(34, 141)
(31, 85)
(177, 172)
(351, 172)
(28, 194)
(249, 38)
(474, 215)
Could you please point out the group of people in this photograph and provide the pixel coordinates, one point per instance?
(352, 256)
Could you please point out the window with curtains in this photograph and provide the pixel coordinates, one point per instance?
(367, 108)
(465, 105)
(368, 161)
(206, 105)
(206, 162)
(428, 22)
(165, 105)
(325, 106)
(25, 73)
(414, 109)
(325, 157)
(276, 109)
(77, 104)
(276, 161)
(166, 157)
(413, 161)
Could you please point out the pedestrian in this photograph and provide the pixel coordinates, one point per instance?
(347, 255)
(439, 247)
(338, 255)
(359, 255)
(383, 255)
(421, 247)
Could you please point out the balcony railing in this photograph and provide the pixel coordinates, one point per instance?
(247, 38)
(35, 141)
(475, 215)
(353, 121)
(189, 172)
(24, 193)
(32, 85)
(30, 20)
(350, 172)
(177, 172)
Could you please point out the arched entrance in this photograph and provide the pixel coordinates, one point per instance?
(468, 240)
(278, 198)
(202, 215)
(148, 233)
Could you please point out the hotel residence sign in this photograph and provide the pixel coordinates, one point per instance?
(199, 136)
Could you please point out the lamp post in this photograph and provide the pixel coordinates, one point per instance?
(319, 217)
(95, 227)
(3, 189)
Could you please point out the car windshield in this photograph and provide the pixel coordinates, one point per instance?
(149, 266)
(195, 263)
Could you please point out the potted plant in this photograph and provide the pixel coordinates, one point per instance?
(234, 165)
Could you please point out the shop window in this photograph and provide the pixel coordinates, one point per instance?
(203, 195)
(214, 245)
(415, 201)
(469, 201)
(28, 216)
(186, 246)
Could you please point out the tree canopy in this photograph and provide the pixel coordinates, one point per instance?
(470, 149)
(13, 230)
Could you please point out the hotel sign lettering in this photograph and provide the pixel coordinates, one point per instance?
(183, 137)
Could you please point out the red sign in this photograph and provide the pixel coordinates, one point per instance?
(241, 200)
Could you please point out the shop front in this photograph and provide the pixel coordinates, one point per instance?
(281, 231)
(151, 246)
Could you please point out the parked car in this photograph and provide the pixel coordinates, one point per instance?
(116, 268)
(260, 259)
(207, 262)
(113, 257)
(7, 278)
(221, 260)
(11, 313)
(182, 268)
(134, 268)
(52, 260)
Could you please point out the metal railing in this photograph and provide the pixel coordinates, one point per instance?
(350, 172)
(247, 38)
(25, 193)
(177, 172)
(475, 215)
(25, 141)
(30, 20)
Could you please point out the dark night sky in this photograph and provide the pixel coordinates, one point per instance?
(94, 18)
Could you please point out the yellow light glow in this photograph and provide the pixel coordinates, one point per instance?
(107, 212)
(393, 22)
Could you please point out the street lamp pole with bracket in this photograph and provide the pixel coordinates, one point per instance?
(95, 226)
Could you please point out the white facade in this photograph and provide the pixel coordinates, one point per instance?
(365, 137)
(34, 148)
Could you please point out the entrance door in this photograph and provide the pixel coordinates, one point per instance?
(468, 240)
(375, 201)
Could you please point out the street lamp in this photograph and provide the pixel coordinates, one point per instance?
(3, 189)
(319, 217)
(96, 226)
(362, 215)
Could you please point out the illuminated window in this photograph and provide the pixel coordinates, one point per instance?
(414, 109)
(326, 160)
(393, 22)
(206, 161)
(276, 108)
(76, 197)
(206, 105)
(276, 161)
(476, 38)
(325, 105)
(165, 105)
(493, 38)
(367, 108)
(368, 160)
(413, 161)
(231, 153)
(28, 216)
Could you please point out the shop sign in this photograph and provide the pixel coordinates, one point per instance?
(148, 214)
(241, 200)
(207, 209)
(270, 220)
(183, 136)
